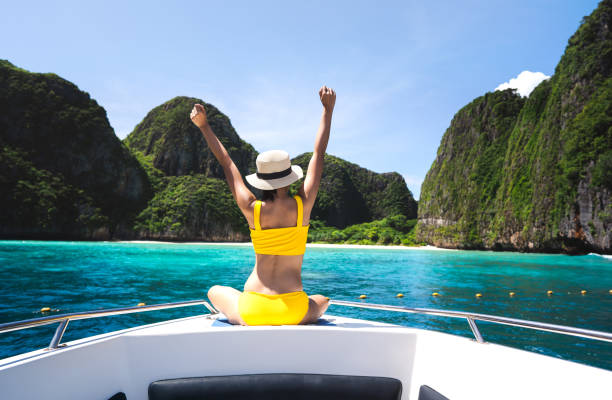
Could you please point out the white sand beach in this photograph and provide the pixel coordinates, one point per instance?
(308, 245)
(373, 246)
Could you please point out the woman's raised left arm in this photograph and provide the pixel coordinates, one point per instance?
(243, 196)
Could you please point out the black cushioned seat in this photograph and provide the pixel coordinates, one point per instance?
(277, 386)
(427, 393)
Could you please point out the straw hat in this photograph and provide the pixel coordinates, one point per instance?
(274, 170)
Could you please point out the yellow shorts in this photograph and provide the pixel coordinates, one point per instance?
(273, 309)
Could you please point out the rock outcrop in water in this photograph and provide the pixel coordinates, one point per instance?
(63, 172)
(531, 174)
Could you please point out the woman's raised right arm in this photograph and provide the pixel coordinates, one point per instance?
(243, 196)
(315, 167)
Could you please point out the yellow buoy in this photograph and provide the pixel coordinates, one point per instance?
(142, 304)
(45, 309)
(511, 294)
(583, 291)
(549, 292)
(399, 295)
(610, 291)
(478, 294)
(363, 296)
(435, 294)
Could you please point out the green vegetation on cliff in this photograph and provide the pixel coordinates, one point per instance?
(177, 146)
(40, 203)
(66, 158)
(394, 230)
(189, 207)
(544, 184)
(192, 207)
(350, 194)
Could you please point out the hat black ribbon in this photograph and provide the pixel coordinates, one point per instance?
(274, 175)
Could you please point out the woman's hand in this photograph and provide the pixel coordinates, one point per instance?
(328, 98)
(198, 116)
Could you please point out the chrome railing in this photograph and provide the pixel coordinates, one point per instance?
(63, 319)
(473, 317)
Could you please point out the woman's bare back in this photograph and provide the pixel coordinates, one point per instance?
(275, 274)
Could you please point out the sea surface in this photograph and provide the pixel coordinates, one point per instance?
(79, 276)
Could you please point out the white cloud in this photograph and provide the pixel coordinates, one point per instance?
(525, 82)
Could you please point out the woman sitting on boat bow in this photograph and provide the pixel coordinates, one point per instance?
(273, 293)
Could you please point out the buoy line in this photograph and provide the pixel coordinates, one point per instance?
(363, 296)
(477, 295)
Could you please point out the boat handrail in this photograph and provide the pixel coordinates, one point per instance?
(63, 319)
(471, 318)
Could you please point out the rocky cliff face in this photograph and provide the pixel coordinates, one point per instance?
(71, 161)
(459, 191)
(350, 194)
(538, 176)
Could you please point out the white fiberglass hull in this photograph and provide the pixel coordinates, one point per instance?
(129, 360)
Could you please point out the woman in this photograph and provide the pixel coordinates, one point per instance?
(273, 293)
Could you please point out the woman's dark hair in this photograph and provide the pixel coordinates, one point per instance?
(268, 195)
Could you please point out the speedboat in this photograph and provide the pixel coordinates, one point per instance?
(205, 357)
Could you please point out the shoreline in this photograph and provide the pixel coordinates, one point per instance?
(316, 245)
(308, 245)
(352, 246)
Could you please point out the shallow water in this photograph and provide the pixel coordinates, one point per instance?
(80, 276)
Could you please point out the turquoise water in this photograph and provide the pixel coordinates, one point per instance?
(80, 276)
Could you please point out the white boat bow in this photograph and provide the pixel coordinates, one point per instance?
(129, 360)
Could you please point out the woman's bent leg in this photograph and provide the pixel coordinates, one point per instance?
(317, 305)
(225, 299)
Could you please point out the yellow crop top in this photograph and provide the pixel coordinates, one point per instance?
(290, 241)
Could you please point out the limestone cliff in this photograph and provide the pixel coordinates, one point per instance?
(65, 173)
(532, 175)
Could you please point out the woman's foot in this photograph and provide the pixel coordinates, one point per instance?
(317, 305)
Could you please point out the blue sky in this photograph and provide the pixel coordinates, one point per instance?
(401, 69)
